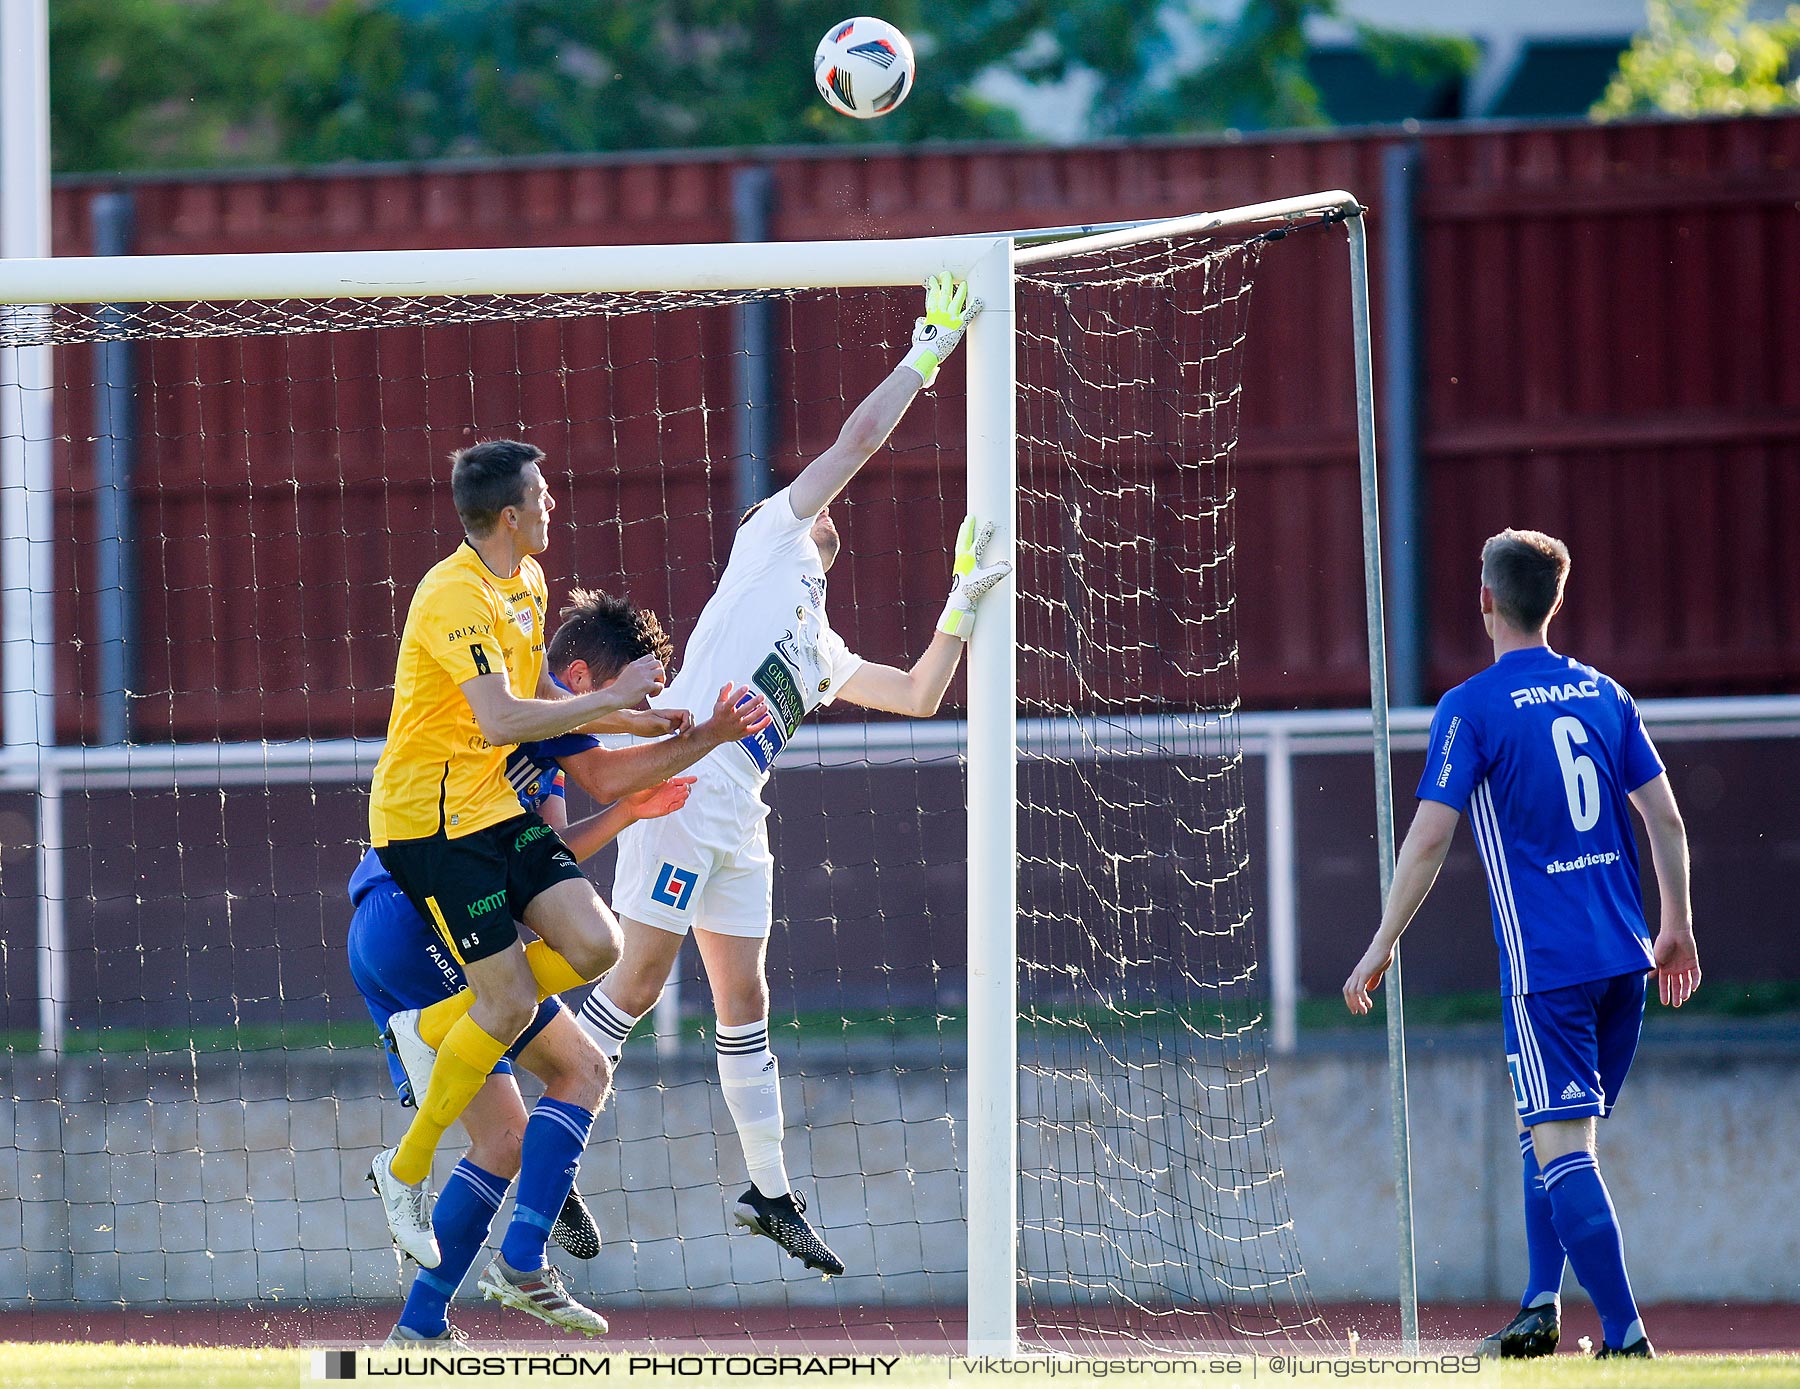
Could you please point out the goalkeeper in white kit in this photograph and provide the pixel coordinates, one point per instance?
(709, 868)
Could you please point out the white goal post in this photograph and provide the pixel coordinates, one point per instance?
(989, 262)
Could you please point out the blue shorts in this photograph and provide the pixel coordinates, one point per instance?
(1569, 1050)
(398, 962)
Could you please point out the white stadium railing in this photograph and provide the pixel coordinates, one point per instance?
(1279, 738)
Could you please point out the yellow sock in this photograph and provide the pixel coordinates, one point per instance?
(464, 1062)
(553, 973)
(436, 1020)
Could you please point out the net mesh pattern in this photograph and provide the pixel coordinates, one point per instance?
(1153, 1207)
(223, 675)
(66, 325)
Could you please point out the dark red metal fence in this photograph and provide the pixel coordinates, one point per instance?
(1609, 356)
(1605, 355)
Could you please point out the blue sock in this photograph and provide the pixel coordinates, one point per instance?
(461, 1219)
(554, 1137)
(1589, 1230)
(1543, 1281)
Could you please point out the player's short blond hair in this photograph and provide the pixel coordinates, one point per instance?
(1526, 572)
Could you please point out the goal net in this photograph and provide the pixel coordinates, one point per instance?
(1153, 1206)
(244, 495)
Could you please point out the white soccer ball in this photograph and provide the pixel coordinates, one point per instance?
(864, 67)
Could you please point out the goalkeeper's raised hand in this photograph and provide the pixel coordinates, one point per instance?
(948, 311)
(970, 578)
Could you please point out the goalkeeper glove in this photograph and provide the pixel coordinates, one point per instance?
(948, 310)
(970, 578)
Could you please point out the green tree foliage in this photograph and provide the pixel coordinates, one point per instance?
(193, 83)
(1255, 72)
(544, 76)
(1706, 57)
(150, 83)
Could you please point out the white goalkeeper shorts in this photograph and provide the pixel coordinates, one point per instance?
(707, 865)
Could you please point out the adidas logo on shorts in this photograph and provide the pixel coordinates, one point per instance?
(1573, 1092)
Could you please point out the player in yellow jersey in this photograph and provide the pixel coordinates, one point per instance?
(401, 966)
(469, 685)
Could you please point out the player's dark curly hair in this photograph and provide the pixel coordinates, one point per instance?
(1526, 571)
(487, 478)
(608, 633)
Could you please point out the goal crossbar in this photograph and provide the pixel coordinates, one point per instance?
(594, 269)
(1077, 240)
(773, 265)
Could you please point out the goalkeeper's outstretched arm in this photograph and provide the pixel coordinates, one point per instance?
(919, 691)
(948, 311)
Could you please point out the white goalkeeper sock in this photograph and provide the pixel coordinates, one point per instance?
(607, 1023)
(751, 1078)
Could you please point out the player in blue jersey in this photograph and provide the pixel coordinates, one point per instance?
(1543, 754)
(400, 962)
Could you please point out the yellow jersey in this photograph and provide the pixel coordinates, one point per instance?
(437, 774)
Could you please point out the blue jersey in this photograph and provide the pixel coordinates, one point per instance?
(1541, 753)
(533, 771)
